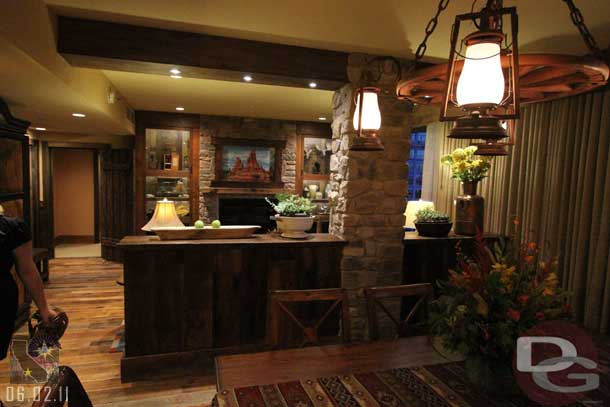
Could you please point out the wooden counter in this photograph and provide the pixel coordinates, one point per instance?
(428, 259)
(188, 301)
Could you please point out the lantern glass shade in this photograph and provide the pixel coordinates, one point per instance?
(481, 81)
(165, 216)
(411, 210)
(371, 115)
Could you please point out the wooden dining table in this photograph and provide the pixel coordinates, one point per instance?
(256, 369)
(403, 372)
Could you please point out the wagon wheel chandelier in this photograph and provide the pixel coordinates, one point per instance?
(486, 80)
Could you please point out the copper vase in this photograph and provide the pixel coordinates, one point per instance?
(469, 211)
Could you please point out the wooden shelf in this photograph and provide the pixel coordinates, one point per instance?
(168, 173)
(169, 198)
(243, 191)
(316, 177)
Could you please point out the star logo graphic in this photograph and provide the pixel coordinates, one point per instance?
(27, 373)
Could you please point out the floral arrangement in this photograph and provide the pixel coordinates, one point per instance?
(292, 205)
(491, 299)
(464, 166)
(429, 215)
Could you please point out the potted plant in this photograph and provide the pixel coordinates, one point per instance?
(293, 215)
(431, 223)
(490, 300)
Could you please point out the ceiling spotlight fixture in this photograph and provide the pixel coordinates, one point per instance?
(79, 115)
(322, 118)
(40, 128)
(247, 78)
(175, 76)
(175, 71)
(180, 108)
(313, 85)
(486, 79)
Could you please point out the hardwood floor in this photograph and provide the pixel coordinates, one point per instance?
(86, 289)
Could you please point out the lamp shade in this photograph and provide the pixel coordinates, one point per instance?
(482, 80)
(371, 115)
(412, 208)
(165, 216)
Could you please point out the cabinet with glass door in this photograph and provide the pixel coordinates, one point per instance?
(166, 157)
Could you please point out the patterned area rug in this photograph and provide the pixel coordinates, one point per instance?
(443, 385)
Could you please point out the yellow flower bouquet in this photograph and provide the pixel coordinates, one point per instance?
(464, 166)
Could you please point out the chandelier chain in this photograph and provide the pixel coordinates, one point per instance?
(579, 22)
(421, 50)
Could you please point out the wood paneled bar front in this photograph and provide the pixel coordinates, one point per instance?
(188, 301)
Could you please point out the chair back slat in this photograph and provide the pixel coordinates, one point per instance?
(279, 305)
(374, 295)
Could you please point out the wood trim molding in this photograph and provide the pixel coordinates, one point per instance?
(152, 50)
(73, 239)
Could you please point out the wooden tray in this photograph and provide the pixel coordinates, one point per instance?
(208, 232)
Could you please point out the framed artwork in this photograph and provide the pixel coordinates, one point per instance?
(248, 163)
(316, 156)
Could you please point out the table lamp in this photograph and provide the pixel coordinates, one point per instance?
(412, 208)
(165, 216)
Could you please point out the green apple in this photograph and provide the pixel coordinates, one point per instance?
(216, 224)
(199, 224)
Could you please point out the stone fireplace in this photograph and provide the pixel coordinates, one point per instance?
(245, 210)
(212, 200)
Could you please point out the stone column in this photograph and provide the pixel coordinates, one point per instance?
(368, 194)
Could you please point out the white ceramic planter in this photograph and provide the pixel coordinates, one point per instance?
(294, 227)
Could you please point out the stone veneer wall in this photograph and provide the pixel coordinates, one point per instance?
(241, 128)
(368, 197)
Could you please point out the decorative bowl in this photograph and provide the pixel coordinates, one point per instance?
(431, 229)
(208, 232)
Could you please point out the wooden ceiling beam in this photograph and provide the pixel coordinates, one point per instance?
(123, 47)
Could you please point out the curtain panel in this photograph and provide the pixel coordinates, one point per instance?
(556, 181)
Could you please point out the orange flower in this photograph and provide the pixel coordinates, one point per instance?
(513, 314)
(532, 246)
(540, 316)
(523, 299)
(516, 221)
(529, 259)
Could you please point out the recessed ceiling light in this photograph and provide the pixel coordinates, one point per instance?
(180, 108)
(79, 115)
(247, 78)
(40, 128)
(175, 71)
(322, 118)
(313, 85)
(175, 76)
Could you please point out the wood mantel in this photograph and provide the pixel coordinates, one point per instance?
(188, 301)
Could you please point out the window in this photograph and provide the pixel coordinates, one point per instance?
(416, 163)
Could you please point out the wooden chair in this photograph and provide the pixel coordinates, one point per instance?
(374, 295)
(279, 301)
(66, 385)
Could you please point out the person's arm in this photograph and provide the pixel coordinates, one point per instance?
(28, 273)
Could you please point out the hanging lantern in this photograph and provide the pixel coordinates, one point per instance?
(478, 84)
(367, 120)
(486, 79)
